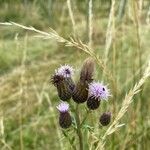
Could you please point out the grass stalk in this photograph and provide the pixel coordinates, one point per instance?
(137, 8)
(122, 7)
(22, 80)
(90, 25)
(137, 27)
(71, 16)
(110, 30)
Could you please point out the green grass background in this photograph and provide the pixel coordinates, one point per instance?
(29, 119)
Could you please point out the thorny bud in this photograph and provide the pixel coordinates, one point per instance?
(80, 93)
(63, 82)
(87, 71)
(65, 120)
(105, 118)
(93, 103)
(66, 71)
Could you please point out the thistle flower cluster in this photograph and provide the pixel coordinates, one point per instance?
(85, 90)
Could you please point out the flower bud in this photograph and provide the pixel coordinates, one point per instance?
(70, 83)
(63, 89)
(65, 120)
(63, 82)
(93, 103)
(80, 93)
(105, 118)
(87, 71)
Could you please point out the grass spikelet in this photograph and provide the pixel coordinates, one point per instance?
(126, 103)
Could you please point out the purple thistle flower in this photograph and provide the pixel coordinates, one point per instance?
(63, 107)
(66, 71)
(98, 90)
(63, 82)
(65, 120)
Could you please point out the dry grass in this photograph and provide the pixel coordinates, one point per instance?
(28, 118)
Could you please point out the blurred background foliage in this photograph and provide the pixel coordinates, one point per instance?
(27, 100)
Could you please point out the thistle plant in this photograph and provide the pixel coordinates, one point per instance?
(86, 90)
(81, 91)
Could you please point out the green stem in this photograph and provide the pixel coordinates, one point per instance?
(88, 112)
(71, 143)
(79, 133)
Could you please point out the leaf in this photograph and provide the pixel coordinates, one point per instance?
(87, 127)
(72, 140)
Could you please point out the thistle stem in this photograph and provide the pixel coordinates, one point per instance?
(66, 135)
(79, 133)
(88, 112)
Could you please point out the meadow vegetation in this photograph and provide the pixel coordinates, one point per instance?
(118, 40)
